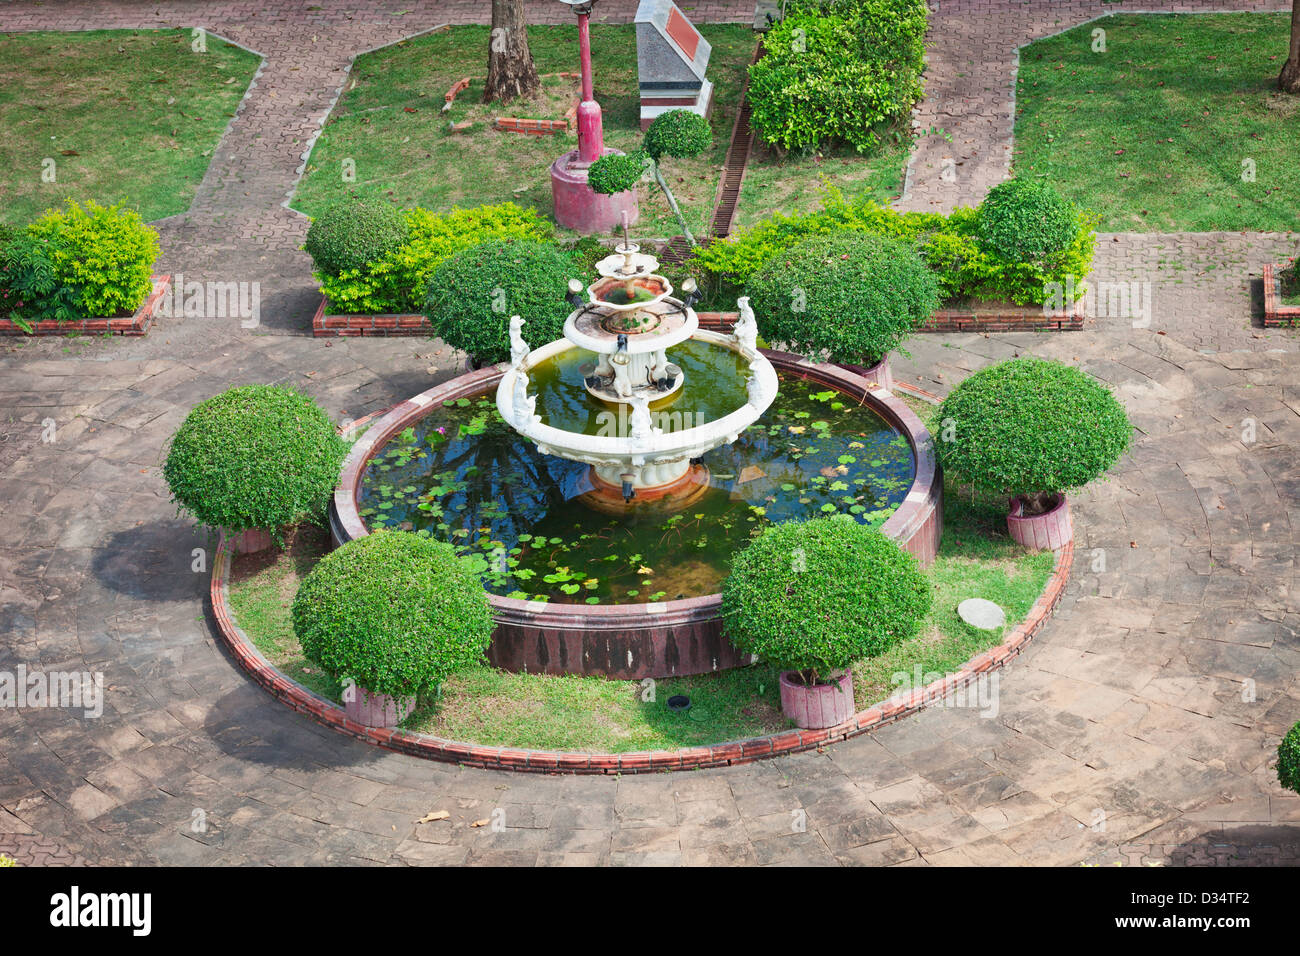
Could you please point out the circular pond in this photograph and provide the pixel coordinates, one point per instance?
(580, 590)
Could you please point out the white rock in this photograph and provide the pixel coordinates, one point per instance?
(982, 614)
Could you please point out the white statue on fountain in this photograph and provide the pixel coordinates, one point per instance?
(518, 347)
(523, 406)
(746, 330)
(642, 426)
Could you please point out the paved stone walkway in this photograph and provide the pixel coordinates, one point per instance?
(1138, 728)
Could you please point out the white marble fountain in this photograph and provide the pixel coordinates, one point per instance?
(628, 322)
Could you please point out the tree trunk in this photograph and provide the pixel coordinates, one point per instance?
(672, 204)
(511, 72)
(1289, 81)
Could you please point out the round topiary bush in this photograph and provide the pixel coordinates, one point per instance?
(354, 233)
(1288, 759)
(256, 456)
(395, 612)
(472, 294)
(616, 172)
(1031, 428)
(850, 296)
(677, 133)
(1026, 221)
(815, 596)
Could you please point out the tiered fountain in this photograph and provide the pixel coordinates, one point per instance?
(629, 320)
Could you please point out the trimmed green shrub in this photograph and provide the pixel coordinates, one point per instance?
(838, 72)
(1023, 220)
(616, 172)
(255, 456)
(850, 296)
(396, 612)
(81, 262)
(1288, 759)
(950, 245)
(473, 293)
(396, 281)
(677, 133)
(1289, 278)
(1031, 427)
(353, 233)
(817, 595)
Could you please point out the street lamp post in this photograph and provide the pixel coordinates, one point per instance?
(577, 206)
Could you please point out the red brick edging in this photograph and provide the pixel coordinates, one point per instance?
(1275, 313)
(996, 319)
(690, 758)
(136, 324)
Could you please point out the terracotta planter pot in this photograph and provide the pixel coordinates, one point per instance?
(377, 710)
(1048, 531)
(250, 541)
(878, 373)
(818, 705)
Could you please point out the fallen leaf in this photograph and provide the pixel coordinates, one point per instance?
(433, 815)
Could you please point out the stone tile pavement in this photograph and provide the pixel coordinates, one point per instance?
(1139, 727)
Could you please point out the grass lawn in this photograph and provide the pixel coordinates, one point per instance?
(389, 121)
(795, 183)
(125, 115)
(1153, 133)
(489, 706)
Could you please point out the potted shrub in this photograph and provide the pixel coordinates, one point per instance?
(472, 294)
(848, 298)
(254, 459)
(395, 614)
(1288, 759)
(811, 598)
(1033, 430)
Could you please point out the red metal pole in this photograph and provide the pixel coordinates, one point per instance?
(591, 135)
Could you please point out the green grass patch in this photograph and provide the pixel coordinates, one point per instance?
(390, 124)
(489, 706)
(1162, 131)
(125, 115)
(796, 183)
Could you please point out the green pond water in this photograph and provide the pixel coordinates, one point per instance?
(461, 474)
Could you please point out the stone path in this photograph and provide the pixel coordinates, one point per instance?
(1138, 728)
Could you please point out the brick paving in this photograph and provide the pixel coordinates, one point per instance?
(1139, 728)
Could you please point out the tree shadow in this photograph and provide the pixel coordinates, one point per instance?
(156, 561)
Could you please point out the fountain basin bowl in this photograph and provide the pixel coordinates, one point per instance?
(635, 641)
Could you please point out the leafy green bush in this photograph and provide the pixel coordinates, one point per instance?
(1288, 759)
(950, 245)
(616, 172)
(851, 296)
(836, 72)
(473, 293)
(815, 596)
(396, 281)
(80, 263)
(1022, 220)
(354, 233)
(255, 456)
(1289, 277)
(677, 133)
(1031, 427)
(396, 612)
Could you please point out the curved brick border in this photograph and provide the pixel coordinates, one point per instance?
(552, 761)
(663, 639)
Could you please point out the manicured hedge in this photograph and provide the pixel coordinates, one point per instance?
(1030, 426)
(473, 293)
(838, 71)
(79, 262)
(951, 245)
(396, 612)
(255, 456)
(1288, 759)
(818, 595)
(353, 233)
(852, 297)
(396, 279)
(1022, 220)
